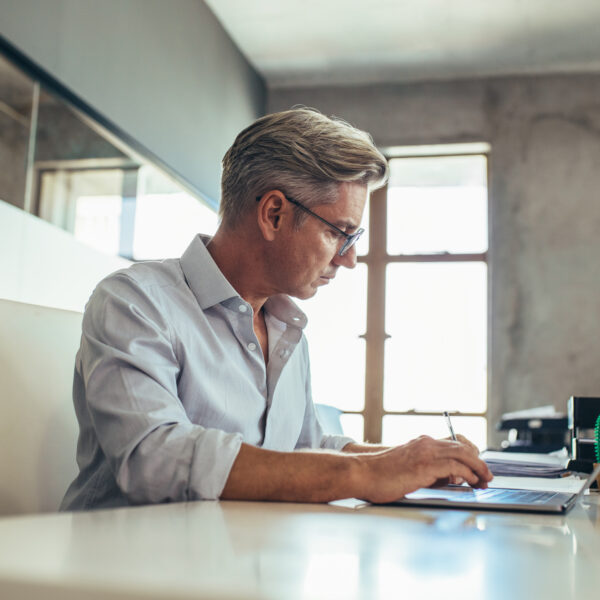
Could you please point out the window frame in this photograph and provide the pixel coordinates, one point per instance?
(377, 259)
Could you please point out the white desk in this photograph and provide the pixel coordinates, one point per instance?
(288, 551)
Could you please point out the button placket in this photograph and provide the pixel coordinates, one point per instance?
(243, 309)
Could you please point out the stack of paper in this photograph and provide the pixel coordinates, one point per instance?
(521, 464)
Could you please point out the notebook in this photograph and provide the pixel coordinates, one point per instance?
(463, 497)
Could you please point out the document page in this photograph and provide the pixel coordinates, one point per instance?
(569, 485)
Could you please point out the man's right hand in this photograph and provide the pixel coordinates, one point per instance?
(423, 462)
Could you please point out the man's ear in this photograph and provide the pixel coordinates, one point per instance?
(272, 209)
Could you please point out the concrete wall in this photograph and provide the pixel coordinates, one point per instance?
(544, 213)
(165, 72)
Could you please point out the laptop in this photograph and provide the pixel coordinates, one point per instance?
(502, 499)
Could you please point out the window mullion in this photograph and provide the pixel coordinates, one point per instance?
(438, 258)
(375, 335)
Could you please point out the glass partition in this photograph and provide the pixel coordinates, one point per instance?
(58, 163)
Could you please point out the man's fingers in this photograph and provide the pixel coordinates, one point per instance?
(459, 470)
(472, 463)
(456, 480)
(436, 453)
(465, 441)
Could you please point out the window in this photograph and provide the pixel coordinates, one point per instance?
(133, 211)
(403, 337)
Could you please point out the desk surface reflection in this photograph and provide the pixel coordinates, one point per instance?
(252, 550)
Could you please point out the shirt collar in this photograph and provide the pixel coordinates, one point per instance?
(282, 308)
(211, 287)
(203, 275)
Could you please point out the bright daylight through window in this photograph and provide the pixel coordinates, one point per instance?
(138, 213)
(424, 333)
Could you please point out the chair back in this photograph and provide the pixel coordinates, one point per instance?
(38, 427)
(329, 417)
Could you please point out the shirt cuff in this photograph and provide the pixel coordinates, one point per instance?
(335, 442)
(214, 454)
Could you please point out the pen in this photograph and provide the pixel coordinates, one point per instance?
(450, 428)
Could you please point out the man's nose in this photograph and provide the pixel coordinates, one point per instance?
(348, 260)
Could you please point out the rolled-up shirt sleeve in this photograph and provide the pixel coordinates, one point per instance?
(129, 365)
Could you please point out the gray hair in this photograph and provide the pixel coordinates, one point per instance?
(300, 152)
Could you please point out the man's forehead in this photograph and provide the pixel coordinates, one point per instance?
(349, 205)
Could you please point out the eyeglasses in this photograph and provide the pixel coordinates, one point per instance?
(351, 238)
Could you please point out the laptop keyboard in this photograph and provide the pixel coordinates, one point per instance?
(513, 496)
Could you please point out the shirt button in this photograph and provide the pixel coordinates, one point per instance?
(252, 346)
(242, 308)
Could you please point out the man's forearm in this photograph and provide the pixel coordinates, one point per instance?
(368, 472)
(305, 476)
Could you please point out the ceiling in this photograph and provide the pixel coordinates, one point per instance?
(295, 43)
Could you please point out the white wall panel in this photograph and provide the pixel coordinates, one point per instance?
(42, 264)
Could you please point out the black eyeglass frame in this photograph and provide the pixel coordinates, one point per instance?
(351, 238)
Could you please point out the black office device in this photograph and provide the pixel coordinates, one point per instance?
(582, 414)
(538, 435)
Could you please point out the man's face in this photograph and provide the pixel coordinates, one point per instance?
(308, 257)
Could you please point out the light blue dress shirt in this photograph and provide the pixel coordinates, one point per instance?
(170, 380)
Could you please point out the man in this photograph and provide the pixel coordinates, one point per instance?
(192, 379)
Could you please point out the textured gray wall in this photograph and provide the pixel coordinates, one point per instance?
(544, 213)
(165, 72)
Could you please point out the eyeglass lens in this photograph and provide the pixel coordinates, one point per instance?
(350, 241)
